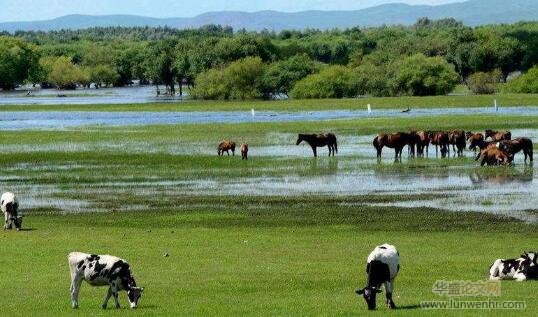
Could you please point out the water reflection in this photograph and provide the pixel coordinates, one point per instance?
(502, 176)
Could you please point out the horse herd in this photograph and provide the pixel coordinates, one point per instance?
(493, 147)
(490, 147)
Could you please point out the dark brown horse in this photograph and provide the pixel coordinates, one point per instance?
(320, 140)
(474, 139)
(517, 145)
(440, 140)
(226, 146)
(498, 135)
(456, 138)
(396, 141)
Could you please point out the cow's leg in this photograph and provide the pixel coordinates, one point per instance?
(116, 301)
(233, 152)
(389, 287)
(107, 297)
(315, 151)
(76, 281)
(6, 220)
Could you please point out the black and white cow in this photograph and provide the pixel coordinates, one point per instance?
(103, 270)
(10, 206)
(521, 269)
(382, 267)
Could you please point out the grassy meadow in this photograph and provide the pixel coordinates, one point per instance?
(140, 192)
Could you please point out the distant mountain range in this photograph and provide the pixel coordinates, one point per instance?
(472, 12)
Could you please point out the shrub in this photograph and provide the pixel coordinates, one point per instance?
(331, 82)
(526, 83)
(484, 83)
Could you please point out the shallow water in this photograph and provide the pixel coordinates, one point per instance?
(124, 95)
(68, 119)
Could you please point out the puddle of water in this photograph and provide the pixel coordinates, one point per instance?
(69, 119)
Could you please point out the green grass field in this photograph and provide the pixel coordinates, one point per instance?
(504, 100)
(131, 192)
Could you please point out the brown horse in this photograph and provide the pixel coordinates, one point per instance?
(396, 141)
(226, 146)
(319, 140)
(474, 139)
(517, 145)
(494, 156)
(456, 138)
(244, 151)
(423, 142)
(498, 135)
(440, 140)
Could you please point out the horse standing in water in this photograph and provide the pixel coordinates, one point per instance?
(396, 141)
(320, 140)
(226, 146)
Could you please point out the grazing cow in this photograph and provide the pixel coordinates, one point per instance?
(492, 155)
(521, 269)
(396, 141)
(10, 206)
(456, 138)
(103, 270)
(516, 145)
(498, 135)
(475, 140)
(440, 140)
(244, 151)
(319, 140)
(226, 146)
(423, 142)
(382, 267)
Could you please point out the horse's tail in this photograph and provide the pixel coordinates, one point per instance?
(376, 142)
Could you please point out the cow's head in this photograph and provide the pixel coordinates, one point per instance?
(369, 294)
(134, 293)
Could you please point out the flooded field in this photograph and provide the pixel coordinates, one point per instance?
(70, 119)
(277, 169)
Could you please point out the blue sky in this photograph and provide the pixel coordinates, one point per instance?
(21, 10)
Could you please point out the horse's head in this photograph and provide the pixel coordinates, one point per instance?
(300, 139)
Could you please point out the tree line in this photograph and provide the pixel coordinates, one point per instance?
(430, 57)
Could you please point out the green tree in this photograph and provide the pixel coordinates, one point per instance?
(103, 75)
(63, 73)
(419, 75)
(331, 82)
(17, 60)
(240, 80)
(281, 76)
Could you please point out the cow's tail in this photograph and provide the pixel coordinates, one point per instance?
(494, 269)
